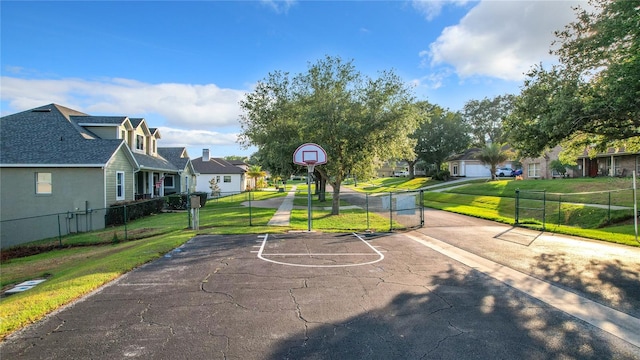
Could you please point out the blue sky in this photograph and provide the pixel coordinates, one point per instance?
(184, 66)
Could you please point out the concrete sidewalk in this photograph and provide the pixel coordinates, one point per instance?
(283, 214)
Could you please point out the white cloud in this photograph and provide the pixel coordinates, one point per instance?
(186, 106)
(501, 39)
(432, 8)
(195, 138)
(279, 6)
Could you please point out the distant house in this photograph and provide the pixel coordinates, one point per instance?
(467, 165)
(229, 178)
(393, 168)
(185, 180)
(613, 162)
(60, 168)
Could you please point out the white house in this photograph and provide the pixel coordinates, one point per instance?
(229, 178)
(466, 165)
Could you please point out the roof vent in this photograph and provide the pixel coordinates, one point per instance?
(41, 110)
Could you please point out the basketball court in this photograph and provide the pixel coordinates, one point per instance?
(313, 295)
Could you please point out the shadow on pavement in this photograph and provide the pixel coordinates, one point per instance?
(452, 316)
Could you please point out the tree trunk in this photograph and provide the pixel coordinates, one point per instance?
(335, 203)
(412, 172)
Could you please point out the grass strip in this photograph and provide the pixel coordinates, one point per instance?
(85, 270)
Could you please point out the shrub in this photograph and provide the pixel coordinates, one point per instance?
(177, 202)
(135, 210)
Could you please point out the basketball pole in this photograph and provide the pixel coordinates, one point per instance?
(309, 212)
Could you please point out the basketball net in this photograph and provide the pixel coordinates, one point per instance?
(310, 166)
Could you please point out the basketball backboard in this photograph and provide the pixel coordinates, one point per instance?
(310, 154)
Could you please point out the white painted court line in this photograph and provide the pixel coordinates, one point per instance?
(261, 255)
(615, 322)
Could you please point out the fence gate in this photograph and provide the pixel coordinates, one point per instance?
(405, 210)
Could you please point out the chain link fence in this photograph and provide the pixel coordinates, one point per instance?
(404, 210)
(583, 209)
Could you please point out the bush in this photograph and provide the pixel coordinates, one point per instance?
(135, 210)
(177, 202)
(442, 175)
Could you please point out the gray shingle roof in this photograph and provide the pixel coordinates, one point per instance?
(46, 136)
(114, 120)
(215, 166)
(147, 162)
(174, 156)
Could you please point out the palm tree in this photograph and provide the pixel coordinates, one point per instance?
(492, 155)
(255, 172)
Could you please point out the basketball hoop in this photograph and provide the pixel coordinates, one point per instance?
(309, 154)
(311, 164)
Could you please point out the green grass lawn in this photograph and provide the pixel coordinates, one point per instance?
(392, 184)
(89, 260)
(565, 206)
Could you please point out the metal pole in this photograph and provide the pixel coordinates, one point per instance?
(125, 222)
(517, 205)
(59, 232)
(309, 198)
(635, 206)
(250, 224)
(188, 210)
(366, 203)
(544, 209)
(390, 211)
(559, 208)
(421, 208)
(609, 212)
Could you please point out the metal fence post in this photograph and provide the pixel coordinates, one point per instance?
(125, 222)
(517, 206)
(421, 208)
(59, 232)
(366, 202)
(559, 208)
(390, 211)
(609, 212)
(188, 210)
(250, 219)
(544, 209)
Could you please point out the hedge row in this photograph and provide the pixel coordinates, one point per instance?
(134, 210)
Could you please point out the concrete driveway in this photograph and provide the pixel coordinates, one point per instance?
(418, 295)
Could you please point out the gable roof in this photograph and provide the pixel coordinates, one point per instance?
(469, 154)
(215, 166)
(46, 136)
(176, 155)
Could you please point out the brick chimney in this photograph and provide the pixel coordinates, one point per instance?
(205, 154)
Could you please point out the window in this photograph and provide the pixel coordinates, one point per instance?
(43, 183)
(154, 146)
(218, 179)
(168, 181)
(122, 134)
(227, 178)
(455, 170)
(533, 171)
(139, 142)
(119, 185)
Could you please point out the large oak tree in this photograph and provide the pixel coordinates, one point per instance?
(592, 97)
(355, 118)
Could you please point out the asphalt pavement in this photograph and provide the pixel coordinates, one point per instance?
(459, 288)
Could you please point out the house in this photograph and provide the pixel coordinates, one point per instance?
(229, 178)
(185, 180)
(613, 162)
(393, 168)
(60, 169)
(466, 164)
